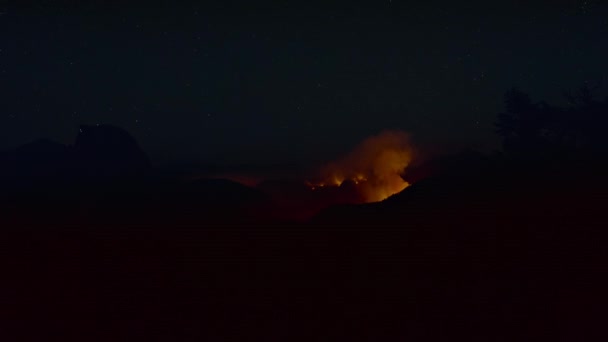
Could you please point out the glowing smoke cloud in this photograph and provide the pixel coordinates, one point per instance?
(375, 166)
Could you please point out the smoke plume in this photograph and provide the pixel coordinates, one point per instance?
(374, 167)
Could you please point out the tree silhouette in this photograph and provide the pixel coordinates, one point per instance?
(587, 121)
(539, 131)
(523, 126)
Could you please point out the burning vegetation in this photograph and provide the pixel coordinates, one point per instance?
(372, 171)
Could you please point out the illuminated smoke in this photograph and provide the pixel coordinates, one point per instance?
(374, 166)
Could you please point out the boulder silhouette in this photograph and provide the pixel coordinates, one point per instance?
(108, 151)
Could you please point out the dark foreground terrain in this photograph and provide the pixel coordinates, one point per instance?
(485, 252)
(439, 261)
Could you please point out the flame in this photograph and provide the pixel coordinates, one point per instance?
(374, 166)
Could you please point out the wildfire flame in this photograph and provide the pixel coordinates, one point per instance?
(374, 167)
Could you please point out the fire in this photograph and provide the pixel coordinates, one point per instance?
(374, 167)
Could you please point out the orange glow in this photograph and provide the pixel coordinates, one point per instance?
(375, 167)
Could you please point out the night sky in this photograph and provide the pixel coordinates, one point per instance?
(227, 82)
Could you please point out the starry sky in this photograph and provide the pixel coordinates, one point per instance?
(287, 82)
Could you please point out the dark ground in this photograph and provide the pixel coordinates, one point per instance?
(466, 269)
(488, 251)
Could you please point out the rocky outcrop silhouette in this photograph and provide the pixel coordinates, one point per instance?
(108, 151)
(106, 178)
(100, 152)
